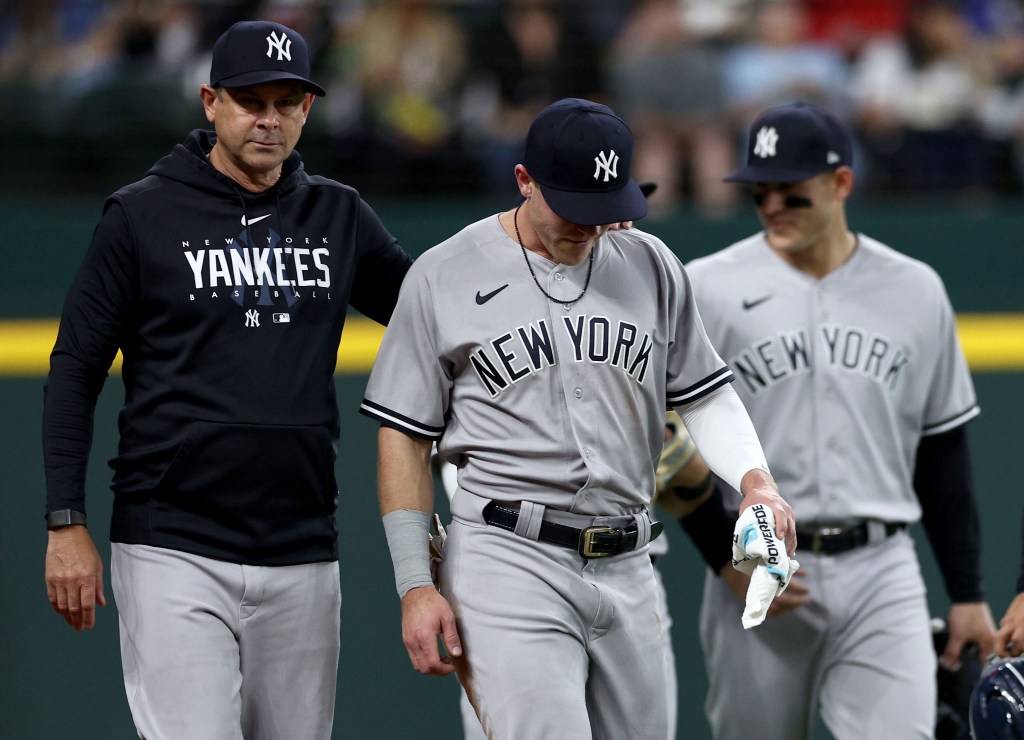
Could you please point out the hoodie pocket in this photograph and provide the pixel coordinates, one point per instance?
(243, 470)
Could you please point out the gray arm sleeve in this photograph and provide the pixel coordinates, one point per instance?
(407, 531)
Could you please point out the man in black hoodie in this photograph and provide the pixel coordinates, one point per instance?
(224, 277)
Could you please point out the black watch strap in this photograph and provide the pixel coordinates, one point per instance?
(64, 518)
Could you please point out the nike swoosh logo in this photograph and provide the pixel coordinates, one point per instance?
(747, 305)
(254, 220)
(482, 299)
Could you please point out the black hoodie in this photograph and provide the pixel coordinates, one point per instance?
(228, 307)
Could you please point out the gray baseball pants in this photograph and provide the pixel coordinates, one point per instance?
(860, 653)
(213, 650)
(472, 730)
(557, 645)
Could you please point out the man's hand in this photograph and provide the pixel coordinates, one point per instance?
(968, 622)
(797, 594)
(1010, 637)
(74, 576)
(758, 487)
(425, 615)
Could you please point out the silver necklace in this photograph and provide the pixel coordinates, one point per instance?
(586, 283)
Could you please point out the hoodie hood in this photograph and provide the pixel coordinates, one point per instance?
(189, 163)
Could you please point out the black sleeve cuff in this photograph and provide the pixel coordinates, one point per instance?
(945, 488)
(64, 518)
(710, 529)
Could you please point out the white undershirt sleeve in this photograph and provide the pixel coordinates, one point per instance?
(724, 435)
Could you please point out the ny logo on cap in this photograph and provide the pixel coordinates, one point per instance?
(767, 138)
(609, 163)
(282, 44)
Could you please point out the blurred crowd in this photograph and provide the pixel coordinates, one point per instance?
(434, 96)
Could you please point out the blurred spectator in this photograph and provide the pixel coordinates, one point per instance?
(916, 96)
(778, 63)
(35, 36)
(665, 80)
(524, 55)
(999, 32)
(403, 63)
(178, 26)
(721, 22)
(442, 91)
(849, 24)
(120, 105)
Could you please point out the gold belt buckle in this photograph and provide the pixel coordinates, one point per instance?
(586, 548)
(819, 537)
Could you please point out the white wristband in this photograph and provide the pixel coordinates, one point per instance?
(407, 531)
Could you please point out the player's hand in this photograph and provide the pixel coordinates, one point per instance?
(74, 576)
(968, 622)
(1010, 636)
(758, 487)
(797, 594)
(425, 615)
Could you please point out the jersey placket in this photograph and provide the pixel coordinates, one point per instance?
(574, 372)
(827, 401)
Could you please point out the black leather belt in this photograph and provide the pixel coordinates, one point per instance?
(832, 540)
(592, 542)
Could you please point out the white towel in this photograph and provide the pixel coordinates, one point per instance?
(757, 552)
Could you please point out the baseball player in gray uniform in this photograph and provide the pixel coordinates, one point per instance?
(540, 351)
(683, 480)
(847, 358)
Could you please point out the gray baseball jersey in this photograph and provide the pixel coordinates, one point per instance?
(562, 409)
(842, 376)
(530, 400)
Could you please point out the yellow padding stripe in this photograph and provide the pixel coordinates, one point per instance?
(992, 343)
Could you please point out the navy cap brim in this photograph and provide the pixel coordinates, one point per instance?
(754, 173)
(270, 75)
(597, 209)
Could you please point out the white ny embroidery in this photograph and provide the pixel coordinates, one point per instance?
(607, 162)
(767, 138)
(283, 46)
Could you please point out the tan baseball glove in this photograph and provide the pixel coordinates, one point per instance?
(677, 453)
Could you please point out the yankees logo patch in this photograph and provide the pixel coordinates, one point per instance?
(607, 163)
(767, 138)
(282, 43)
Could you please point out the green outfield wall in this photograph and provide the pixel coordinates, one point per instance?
(58, 684)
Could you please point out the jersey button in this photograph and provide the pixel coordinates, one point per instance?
(586, 452)
(559, 277)
(578, 393)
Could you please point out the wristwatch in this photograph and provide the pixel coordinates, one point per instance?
(64, 518)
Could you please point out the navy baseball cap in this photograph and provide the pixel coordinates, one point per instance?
(580, 153)
(794, 142)
(251, 52)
